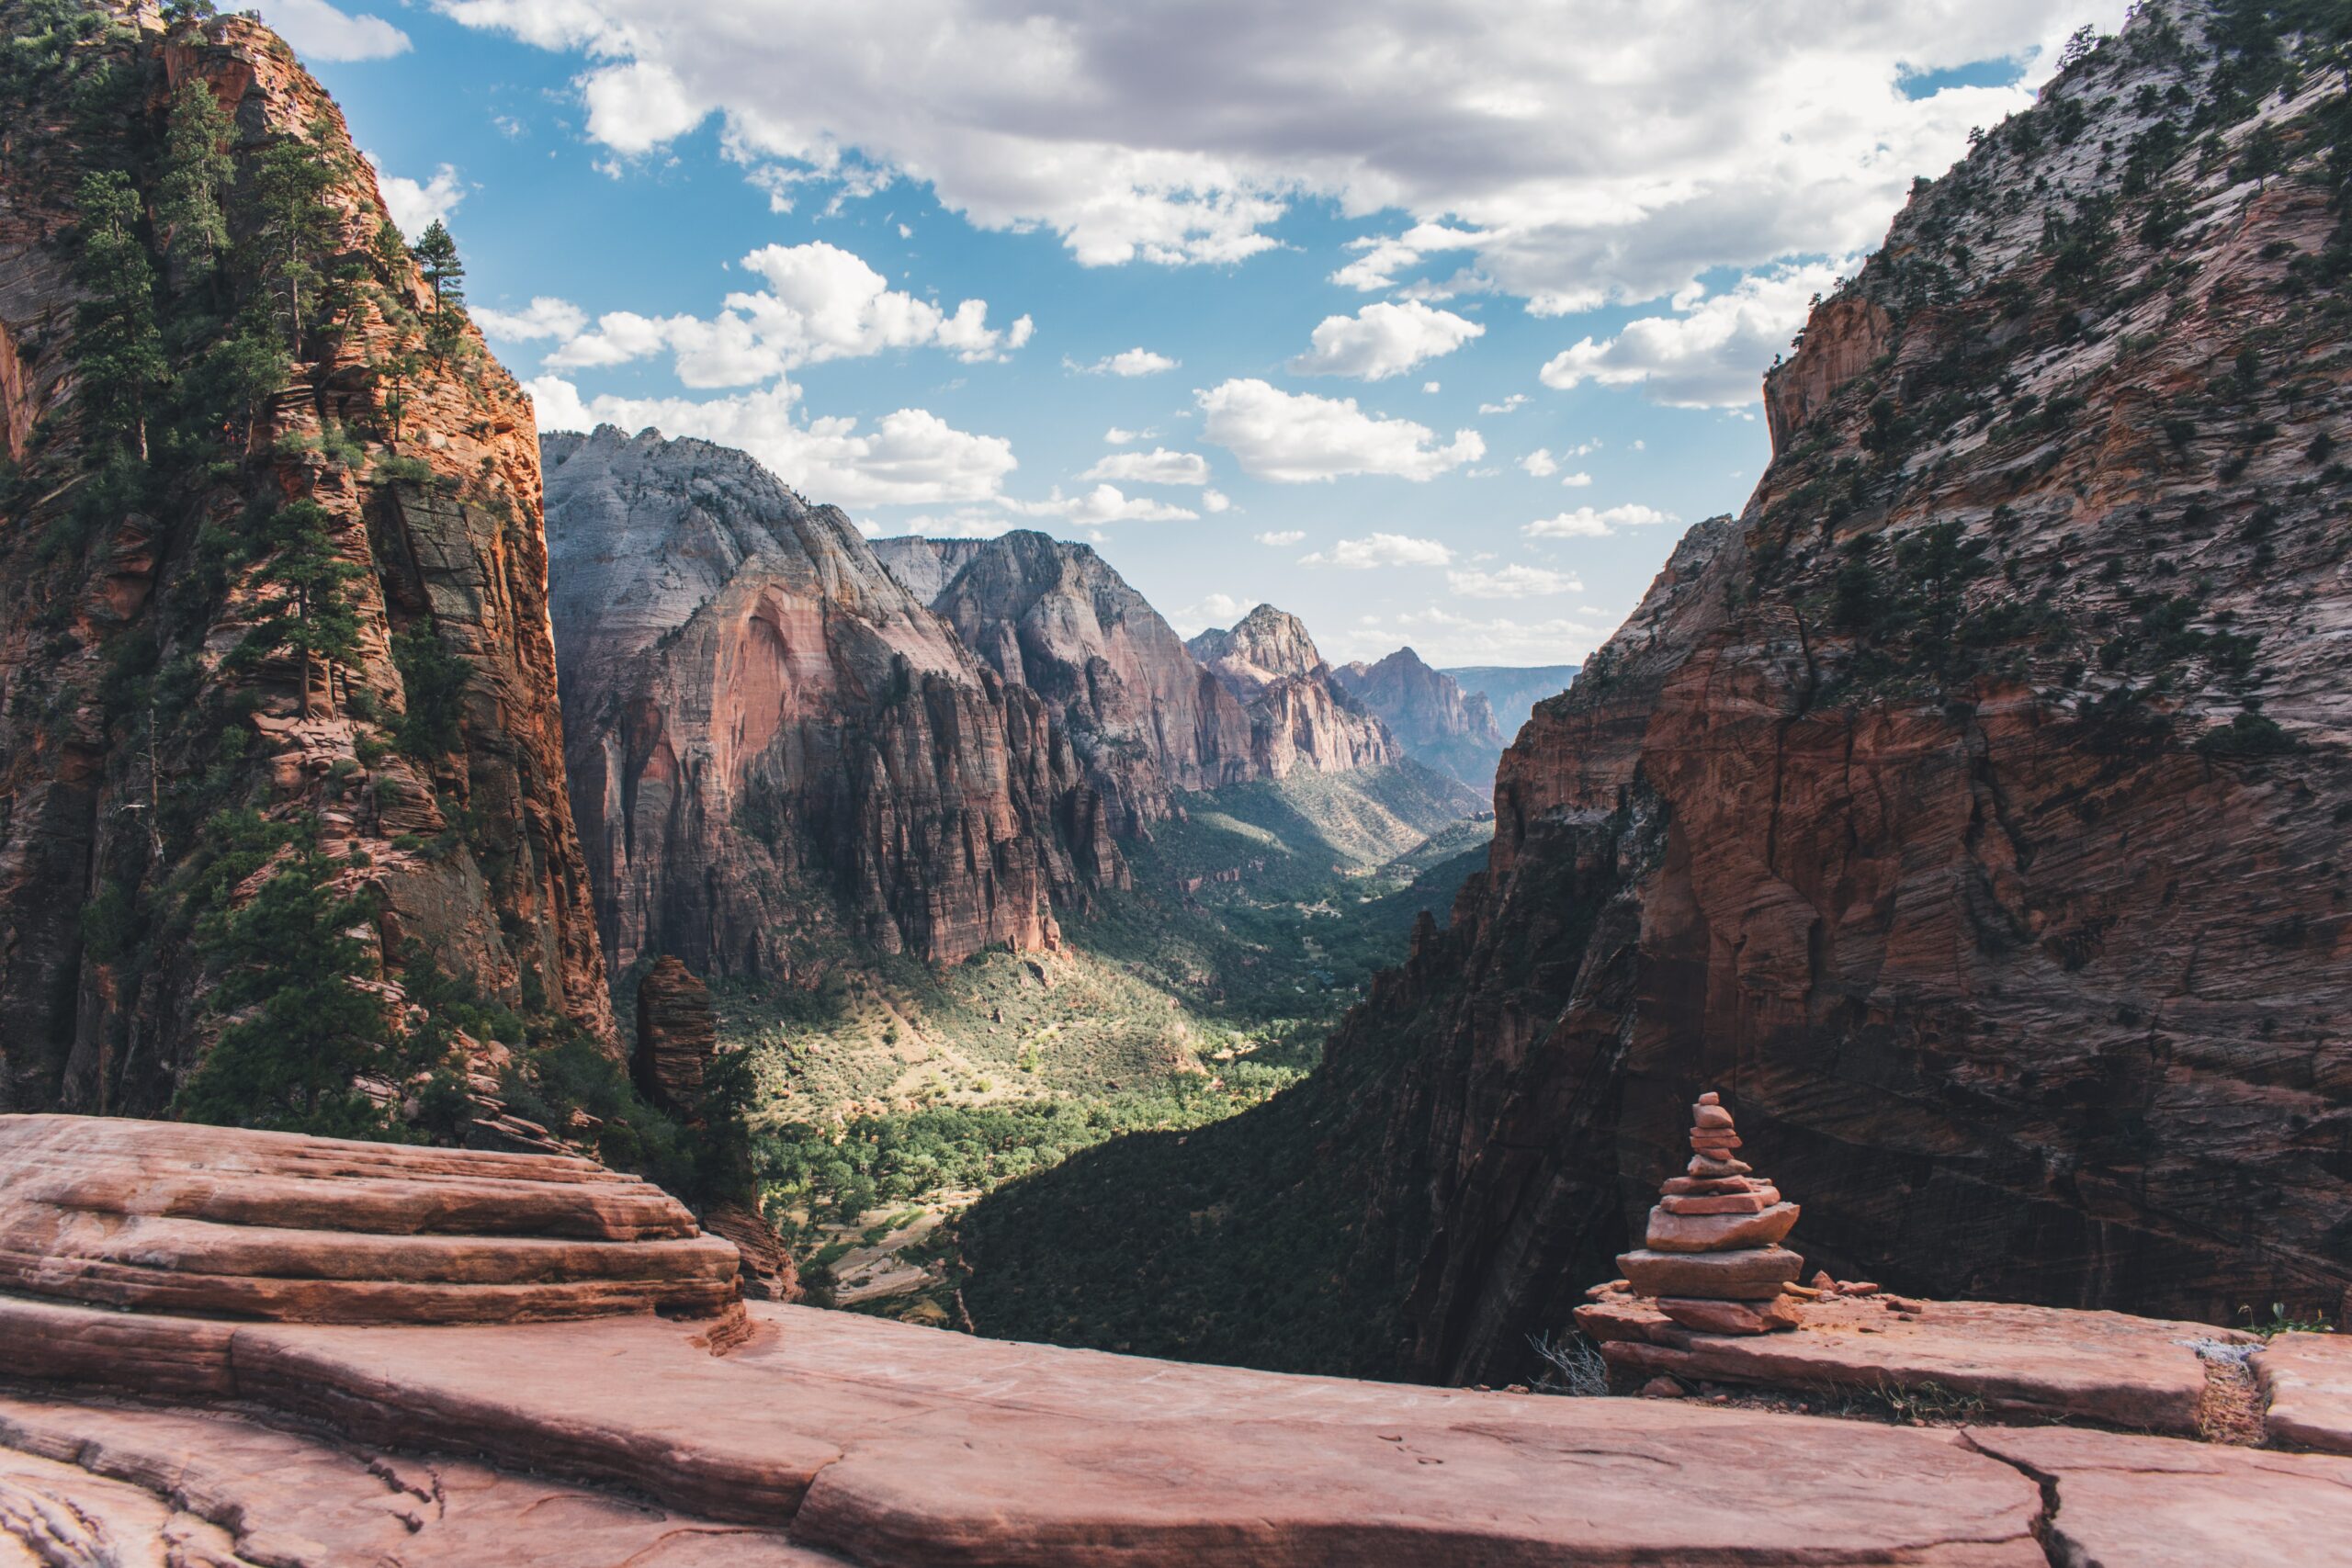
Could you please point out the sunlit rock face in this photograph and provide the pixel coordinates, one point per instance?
(130, 722)
(1972, 804)
(772, 743)
(1147, 720)
(1431, 715)
(1300, 715)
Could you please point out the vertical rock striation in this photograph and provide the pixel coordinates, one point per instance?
(1972, 805)
(1299, 714)
(1145, 719)
(1431, 716)
(773, 745)
(136, 702)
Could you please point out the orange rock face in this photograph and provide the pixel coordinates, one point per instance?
(128, 724)
(164, 1217)
(1971, 807)
(770, 740)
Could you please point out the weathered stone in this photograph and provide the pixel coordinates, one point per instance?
(1720, 1203)
(2308, 1379)
(1706, 1186)
(1299, 715)
(1732, 1317)
(1756, 1275)
(1437, 722)
(2161, 1503)
(168, 1217)
(1716, 1233)
(2045, 1363)
(676, 1032)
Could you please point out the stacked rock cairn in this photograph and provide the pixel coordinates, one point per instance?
(1713, 1257)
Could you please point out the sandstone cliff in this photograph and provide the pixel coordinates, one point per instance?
(1971, 807)
(1512, 691)
(294, 472)
(1431, 716)
(771, 744)
(1299, 714)
(1052, 616)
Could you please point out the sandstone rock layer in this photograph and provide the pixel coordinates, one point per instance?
(166, 1217)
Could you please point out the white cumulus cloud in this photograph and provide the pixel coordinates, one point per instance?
(1384, 340)
(1585, 522)
(1283, 538)
(1297, 438)
(415, 205)
(1540, 463)
(1379, 550)
(319, 32)
(1158, 466)
(1710, 355)
(1128, 362)
(1602, 154)
(544, 317)
(821, 303)
(1513, 582)
(911, 457)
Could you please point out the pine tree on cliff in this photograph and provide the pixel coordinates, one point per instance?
(436, 257)
(117, 345)
(296, 231)
(313, 615)
(197, 170)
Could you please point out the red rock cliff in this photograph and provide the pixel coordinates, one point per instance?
(1300, 715)
(129, 718)
(1971, 809)
(772, 744)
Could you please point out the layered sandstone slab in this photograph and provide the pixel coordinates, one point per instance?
(2158, 1503)
(892, 1444)
(2308, 1378)
(225, 1221)
(2041, 1362)
(100, 1483)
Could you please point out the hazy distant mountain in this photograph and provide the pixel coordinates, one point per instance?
(1512, 691)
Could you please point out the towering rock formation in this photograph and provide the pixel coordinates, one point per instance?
(1145, 719)
(772, 743)
(1972, 805)
(1299, 714)
(1512, 691)
(1435, 720)
(307, 475)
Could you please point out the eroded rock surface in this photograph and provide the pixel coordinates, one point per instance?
(1970, 807)
(771, 741)
(127, 724)
(1300, 715)
(1434, 719)
(2308, 1379)
(166, 1217)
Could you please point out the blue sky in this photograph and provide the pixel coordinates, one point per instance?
(1439, 320)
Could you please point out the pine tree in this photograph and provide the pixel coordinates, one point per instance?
(313, 614)
(196, 170)
(295, 229)
(117, 346)
(288, 955)
(437, 256)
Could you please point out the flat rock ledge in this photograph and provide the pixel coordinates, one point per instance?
(167, 1217)
(782, 1436)
(2030, 1362)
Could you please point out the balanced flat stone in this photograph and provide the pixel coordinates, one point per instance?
(2049, 1363)
(1754, 1275)
(2309, 1379)
(176, 1218)
(2133, 1502)
(1670, 1232)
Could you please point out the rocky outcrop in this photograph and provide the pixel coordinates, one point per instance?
(160, 1217)
(1145, 719)
(676, 1032)
(1300, 715)
(677, 1035)
(1437, 722)
(1971, 806)
(773, 745)
(141, 709)
(1512, 691)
